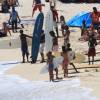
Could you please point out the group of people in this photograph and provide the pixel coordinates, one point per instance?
(12, 24)
(14, 19)
(92, 34)
(7, 4)
(55, 35)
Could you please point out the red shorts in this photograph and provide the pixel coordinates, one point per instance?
(37, 7)
(92, 52)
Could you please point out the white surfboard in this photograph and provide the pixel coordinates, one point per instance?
(48, 28)
(79, 57)
(71, 55)
(56, 61)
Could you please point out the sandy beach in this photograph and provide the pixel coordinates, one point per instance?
(15, 75)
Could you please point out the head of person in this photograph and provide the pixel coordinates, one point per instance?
(66, 27)
(62, 18)
(21, 31)
(52, 33)
(52, 7)
(68, 45)
(94, 9)
(13, 8)
(42, 31)
(63, 49)
(49, 53)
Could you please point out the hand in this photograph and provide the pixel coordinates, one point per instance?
(9, 22)
(9, 43)
(19, 20)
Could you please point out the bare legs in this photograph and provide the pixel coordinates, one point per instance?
(91, 61)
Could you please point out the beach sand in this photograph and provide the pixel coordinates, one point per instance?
(89, 75)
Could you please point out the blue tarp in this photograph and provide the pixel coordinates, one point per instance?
(76, 21)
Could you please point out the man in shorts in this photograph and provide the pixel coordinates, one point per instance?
(37, 5)
(95, 15)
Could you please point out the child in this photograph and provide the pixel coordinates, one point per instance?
(65, 61)
(50, 65)
(72, 57)
(24, 46)
(91, 51)
(55, 41)
(83, 28)
(66, 35)
(62, 21)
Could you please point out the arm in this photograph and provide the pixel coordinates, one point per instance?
(33, 2)
(28, 36)
(9, 31)
(18, 17)
(10, 17)
(56, 14)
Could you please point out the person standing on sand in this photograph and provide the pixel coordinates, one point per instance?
(91, 51)
(14, 19)
(65, 61)
(63, 23)
(50, 65)
(37, 5)
(52, 3)
(55, 41)
(24, 45)
(95, 15)
(66, 35)
(55, 19)
(69, 50)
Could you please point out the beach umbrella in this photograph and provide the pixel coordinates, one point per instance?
(77, 20)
